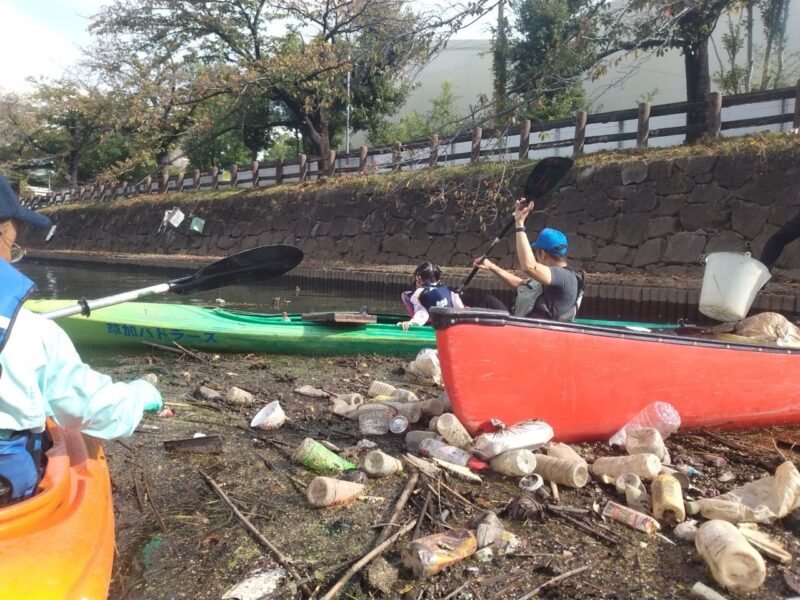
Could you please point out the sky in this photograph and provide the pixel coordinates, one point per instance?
(41, 38)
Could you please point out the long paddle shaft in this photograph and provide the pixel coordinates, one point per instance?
(545, 176)
(251, 265)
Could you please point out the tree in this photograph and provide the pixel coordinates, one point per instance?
(304, 69)
(549, 53)
(60, 122)
(442, 118)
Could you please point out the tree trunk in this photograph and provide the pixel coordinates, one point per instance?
(781, 49)
(72, 163)
(698, 89)
(500, 67)
(748, 72)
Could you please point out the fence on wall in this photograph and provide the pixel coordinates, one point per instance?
(646, 126)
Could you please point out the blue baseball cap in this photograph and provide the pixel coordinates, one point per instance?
(551, 240)
(10, 208)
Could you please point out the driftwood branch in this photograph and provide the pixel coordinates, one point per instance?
(536, 590)
(398, 508)
(282, 559)
(161, 523)
(377, 550)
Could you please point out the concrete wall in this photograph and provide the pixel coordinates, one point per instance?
(624, 217)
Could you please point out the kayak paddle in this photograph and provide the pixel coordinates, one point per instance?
(247, 266)
(545, 176)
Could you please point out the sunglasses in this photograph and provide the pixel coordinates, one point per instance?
(17, 252)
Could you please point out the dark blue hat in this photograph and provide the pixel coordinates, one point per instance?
(10, 208)
(551, 240)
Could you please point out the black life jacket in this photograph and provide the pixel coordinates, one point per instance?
(435, 294)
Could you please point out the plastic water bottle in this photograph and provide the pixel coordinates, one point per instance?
(573, 473)
(646, 440)
(526, 434)
(659, 415)
(515, 463)
(734, 563)
(646, 466)
(668, 505)
(438, 449)
(451, 429)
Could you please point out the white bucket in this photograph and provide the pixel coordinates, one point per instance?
(730, 284)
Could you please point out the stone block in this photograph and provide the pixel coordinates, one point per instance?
(351, 226)
(632, 228)
(649, 253)
(603, 229)
(601, 207)
(725, 241)
(640, 198)
(696, 165)
(441, 250)
(634, 172)
(660, 170)
(677, 183)
(569, 200)
(749, 219)
(704, 216)
(709, 193)
(441, 224)
(616, 254)
(734, 170)
(375, 221)
(581, 248)
(321, 228)
(396, 244)
(685, 247)
(567, 224)
(662, 227)
(468, 242)
(669, 205)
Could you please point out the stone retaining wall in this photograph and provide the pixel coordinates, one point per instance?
(659, 216)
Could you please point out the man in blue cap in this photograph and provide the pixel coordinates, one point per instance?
(42, 376)
(553, 290)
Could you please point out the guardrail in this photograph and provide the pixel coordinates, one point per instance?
(646, 126)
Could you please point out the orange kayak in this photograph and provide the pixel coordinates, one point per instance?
(60, 543)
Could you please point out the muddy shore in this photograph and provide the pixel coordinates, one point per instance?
(200, 549)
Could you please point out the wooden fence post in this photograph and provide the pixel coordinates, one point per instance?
(279, 171)
(714, 114)
(179, 180)
(433, 158)
(643, 127)
(303, 164)
(524, 139)
(234, 175)
(164, 185)
(331, 167)
(214, 178)
(796, 122)
(148, 186)
(362, 159)
(477, 135)
(580, 132)
(397, 157)
(196, 179)
(254, 166)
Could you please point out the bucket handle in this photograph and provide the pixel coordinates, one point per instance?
(746, 254)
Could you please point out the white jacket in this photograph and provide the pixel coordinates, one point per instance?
(43, 376)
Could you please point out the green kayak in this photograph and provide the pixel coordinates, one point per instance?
(134, 324)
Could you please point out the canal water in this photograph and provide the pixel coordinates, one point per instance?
(90, 281)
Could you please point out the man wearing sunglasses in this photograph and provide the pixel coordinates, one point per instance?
(42, 376)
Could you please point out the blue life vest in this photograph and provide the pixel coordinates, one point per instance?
(435, 294)
(21, 453)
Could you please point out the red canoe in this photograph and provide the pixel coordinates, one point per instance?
(588, 381)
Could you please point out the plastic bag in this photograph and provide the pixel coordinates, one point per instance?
(425, 367)
(527, 434)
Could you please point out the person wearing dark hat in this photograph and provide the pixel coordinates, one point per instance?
(42, 376)
(553, 290)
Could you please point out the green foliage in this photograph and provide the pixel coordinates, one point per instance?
(283, 145)
(548, 54)
(442, 119)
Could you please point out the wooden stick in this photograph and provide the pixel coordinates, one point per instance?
(455, 592)
(398, 508)
(423, 513)
(536, 590)
(154, 508)
(162, 347)
(190, 353)
(283, 560)
(584, 527)
(377, 550)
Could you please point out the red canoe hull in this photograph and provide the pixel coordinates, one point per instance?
(587, 382)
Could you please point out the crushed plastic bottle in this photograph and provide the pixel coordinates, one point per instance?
(430, 554)
(529, 435)
(659, 415)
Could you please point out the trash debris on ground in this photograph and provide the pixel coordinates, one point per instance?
(269, 417)
(430, 554)
(658, 415)
(237, 395)
(425, 368)
(311, 392)
(529, 435)
(316, 457)
(257, 585)
(324, 492)
(733, 561)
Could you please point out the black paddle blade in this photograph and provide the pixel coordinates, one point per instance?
(248, 266)
(545, 176)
